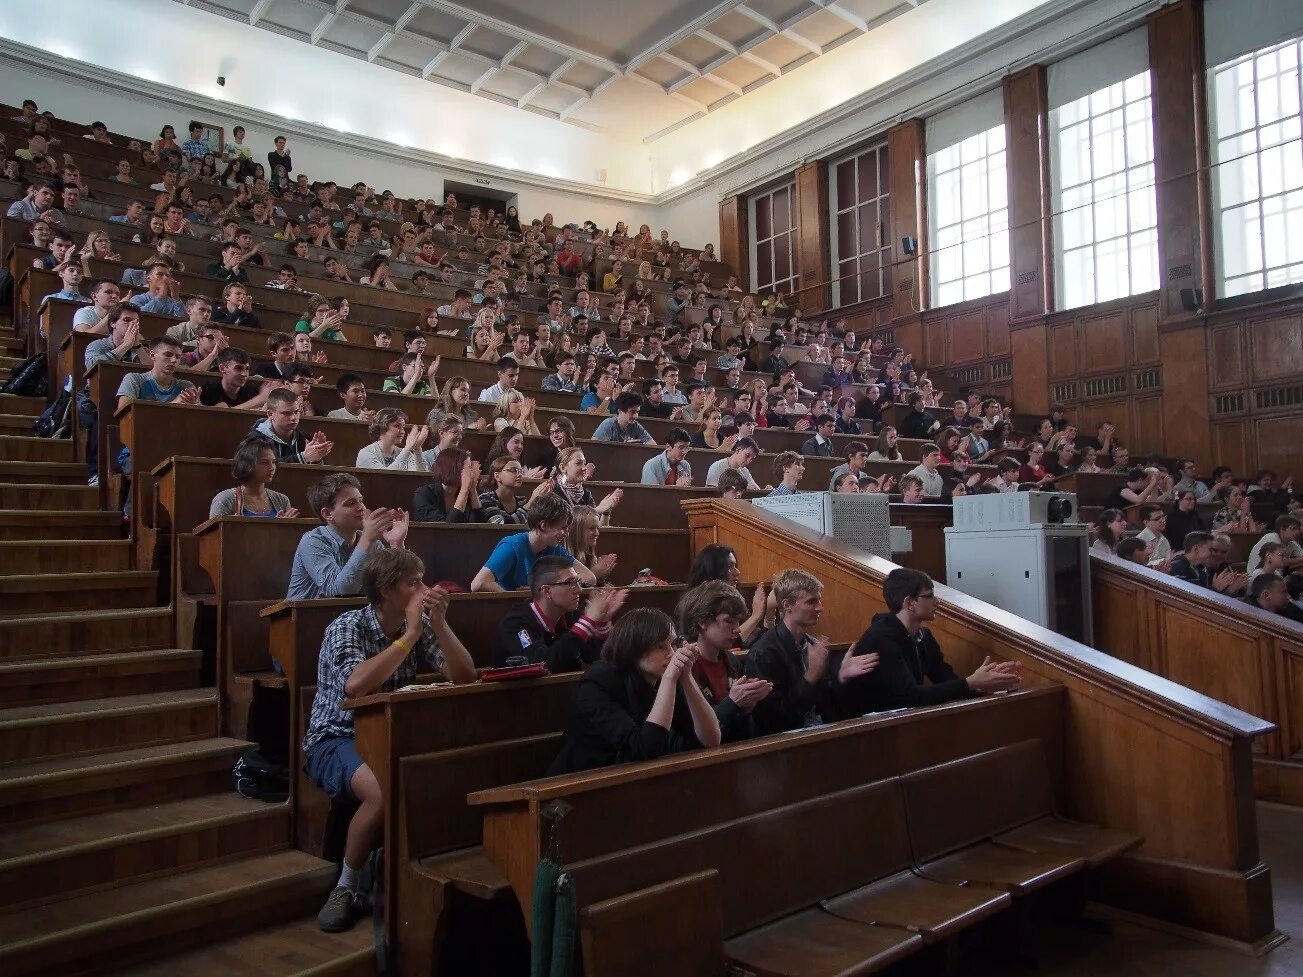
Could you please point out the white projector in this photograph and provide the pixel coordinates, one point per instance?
(1014, 510)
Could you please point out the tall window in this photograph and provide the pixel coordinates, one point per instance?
(1105, 217)
(1257, 158)
(861, 238)
(968, 216)
(773, 215)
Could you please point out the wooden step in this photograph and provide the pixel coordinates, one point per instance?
(63, 498)
(43, 862)
(43, 472)
(77, 728)
(17, 524)
(12, 345)
(65, 555)
(14, 448)
(47, 593)
(142, 921)
(90, 632)
(12, 403)
(69, 786)
(9, 362)
(19, 424)
(96, 676)
(289, 950)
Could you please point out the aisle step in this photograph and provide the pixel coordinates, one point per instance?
(43, 472)
(14, 404)
(58, 635)
(17, 524)
(40, 593)
(19, 424)
(15, 448)
(64, 498)
(96, 676)
(65, 555)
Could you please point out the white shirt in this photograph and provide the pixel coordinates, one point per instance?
(404, 461)
(1159, 548)
(1292, 551)
(717, 469)
(933, 483)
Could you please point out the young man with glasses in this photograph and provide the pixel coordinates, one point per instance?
(549, 628)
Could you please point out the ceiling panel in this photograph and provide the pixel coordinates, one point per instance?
(293, 15)
(741, 72)
(405, 51)
(460, 69)
(509, 84)
(735, 28)
(436, 24)
(780, 51)
(662, 72)
(352, 35)
(539, 60)
(585, 76)
(387, 10)
(696, 51)
(871, 10)
(778, 10)
(704, 90)
(824, 28)
(489, 43)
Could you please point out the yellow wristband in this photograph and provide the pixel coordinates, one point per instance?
(407, 649)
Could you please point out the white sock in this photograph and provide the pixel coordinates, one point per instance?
(349, 879)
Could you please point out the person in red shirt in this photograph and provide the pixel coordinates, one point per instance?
(710, 615)
(570, 261)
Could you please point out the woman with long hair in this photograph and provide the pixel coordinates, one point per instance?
(252, 469)
(1109, 531)
(581, 541)
(639, 702)
(395, 447)
(514, 409)
(718, 561)
(456, 402)
(511, 442)
(501, 502)
(707, 436)
(887, 449)
(572, 475)
(452, 495)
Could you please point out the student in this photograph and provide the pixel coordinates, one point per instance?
(918, 422)
(70, 274)
(789, 469)
(887, 449)
(926, 472)
(1288, 529)
(508, 378)
(358, 657)
(732, 484)
(1110, 529)
(281, 365)
(501, 504)
(563, 380)
(452, 495)
(624, 426)
(158, 299)
(233, 388)
(159, 383)
(509, 565)
(857, 456)
(548, 628)
(911, 489)
(119, 345)
(1155, 522)
(710, 616)
(253, 468)
(280, 428)
(821, 445)
(1269, 593)
(806, 683)
(911, 670)
(396, 446)
(670, 467)
(352, 391)
(232, 312)
(1134, 550)
(572, 475)
(744, 452)
(328, 560)
(639, 702)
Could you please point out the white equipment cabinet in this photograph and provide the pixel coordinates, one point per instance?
(862, 521)
(1025, 553)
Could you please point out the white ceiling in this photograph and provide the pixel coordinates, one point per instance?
(633, 68)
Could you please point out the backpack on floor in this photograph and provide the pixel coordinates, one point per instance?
(261, 779)
(29, 378)
(56, 420)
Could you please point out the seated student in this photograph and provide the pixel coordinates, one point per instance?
(926, 472)
(1184, 518)
(1198, 564)
(857, 456)
(1271, 560)
(911, 670)
(887, 448)
(501, 504)
(157, 298)
(160, 383)
(252, 469)
(1294, 587)
(452, 495)
(732, 484)
(396, 446)
(70, 274)
(1109, 529)
(281, 347)
(549, 628)
(623, 426)
(119, 345)
(199, 313)
(670, 467)
(382, 337)
(710, 616)
(358, 657)
(352, 391)
(1140, 487)
(918, 422)
(508, 566)
(232, 311)
(654, 403)
(563, 380)
(280, 428)
(581, 540)
(572, 475)
(413, 377)
(508, 378)
(911, 489)
(807, 687)
(1135, 550)
(234, 389)
(744, 452)
(847, 483)
(1288, 530)
(328, 560)
(229, 266)
(1155, 522)
(789, 469)
(1220, 562)
(821, 445)
(639, 702)
(1268, 593)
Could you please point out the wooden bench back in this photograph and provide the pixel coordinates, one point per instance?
(670, 928)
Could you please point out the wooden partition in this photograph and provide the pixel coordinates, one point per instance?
(1217, 645)
(1142, 753)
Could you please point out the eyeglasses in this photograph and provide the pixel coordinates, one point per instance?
(568, 582)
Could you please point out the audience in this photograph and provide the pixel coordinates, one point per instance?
(280, 428)
(508, 566)
(549, 628)
(1288, 529)
(789, 469)
(453, 494)
(358, 657)
(670, 467)
(581, 541)
(397, 446)
(639, 701)
(744, 452)
(252, 469)
(710, 616)
(328, 561)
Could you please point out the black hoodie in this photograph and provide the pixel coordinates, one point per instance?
(905, 661)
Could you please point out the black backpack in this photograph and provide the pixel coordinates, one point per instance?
(30, 378)
(56, 420)
(261, 779)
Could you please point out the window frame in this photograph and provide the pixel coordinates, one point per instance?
(792, 282)
(836, 208)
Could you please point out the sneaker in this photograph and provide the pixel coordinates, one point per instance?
(93, 481)
(339, 913)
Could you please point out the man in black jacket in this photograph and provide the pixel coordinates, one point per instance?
(908, 655)
(808, 686)
(918, 423)
(548, 628)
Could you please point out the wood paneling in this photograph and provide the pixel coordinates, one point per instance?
(813, 257)
(1028, 168)
(1063, 351)
(1180, 156)
(1144, 335)
(905, 158)
(734, 243)
(1031, 393)
(1276, 347)
(997, 327)
(1104, 343)
(1147, 429)
(1278, 441)
(1186, 412)
(1230, 444)
(1226, 358)
(966, 335)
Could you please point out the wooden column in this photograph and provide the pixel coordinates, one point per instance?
(905, 166)
(1180, 154)
(734, 244)
(1031, 280)
(813, 256)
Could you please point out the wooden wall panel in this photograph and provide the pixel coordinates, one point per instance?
(1103, 343)
(1180, 156)
(734, 240)
(997, 329)
(1147, 428)
(1063, 351)
(1279, 444)
(1230, 444)
(1092, 413)
(1186, 408)
(1027, 161)
(813, 257)
(1276, 347)
(1144, 336)
(1226, 356)
(966, 337)
(1031, 393)
(905, 162)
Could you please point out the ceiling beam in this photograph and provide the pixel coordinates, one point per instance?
(324, 24)
(513, 54)
(718, 41)
(258, 11)
(529, 95)
(847, 16)
(692, 27)
(701, 107)
(760, 62)
(723, 83)
(479, 82)
(560, 70)
(779, 29)
(569, 110)
(469, 14)
(678, 62)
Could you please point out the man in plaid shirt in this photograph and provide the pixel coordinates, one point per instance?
(372, 649)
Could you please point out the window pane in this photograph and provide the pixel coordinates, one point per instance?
(845, 184)
(849, 286)
(764, 263)
(868, 176)
(764, 226)
(868, 227)
(782, 212)
(847, 243)
(870, 279)
(782, 257)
